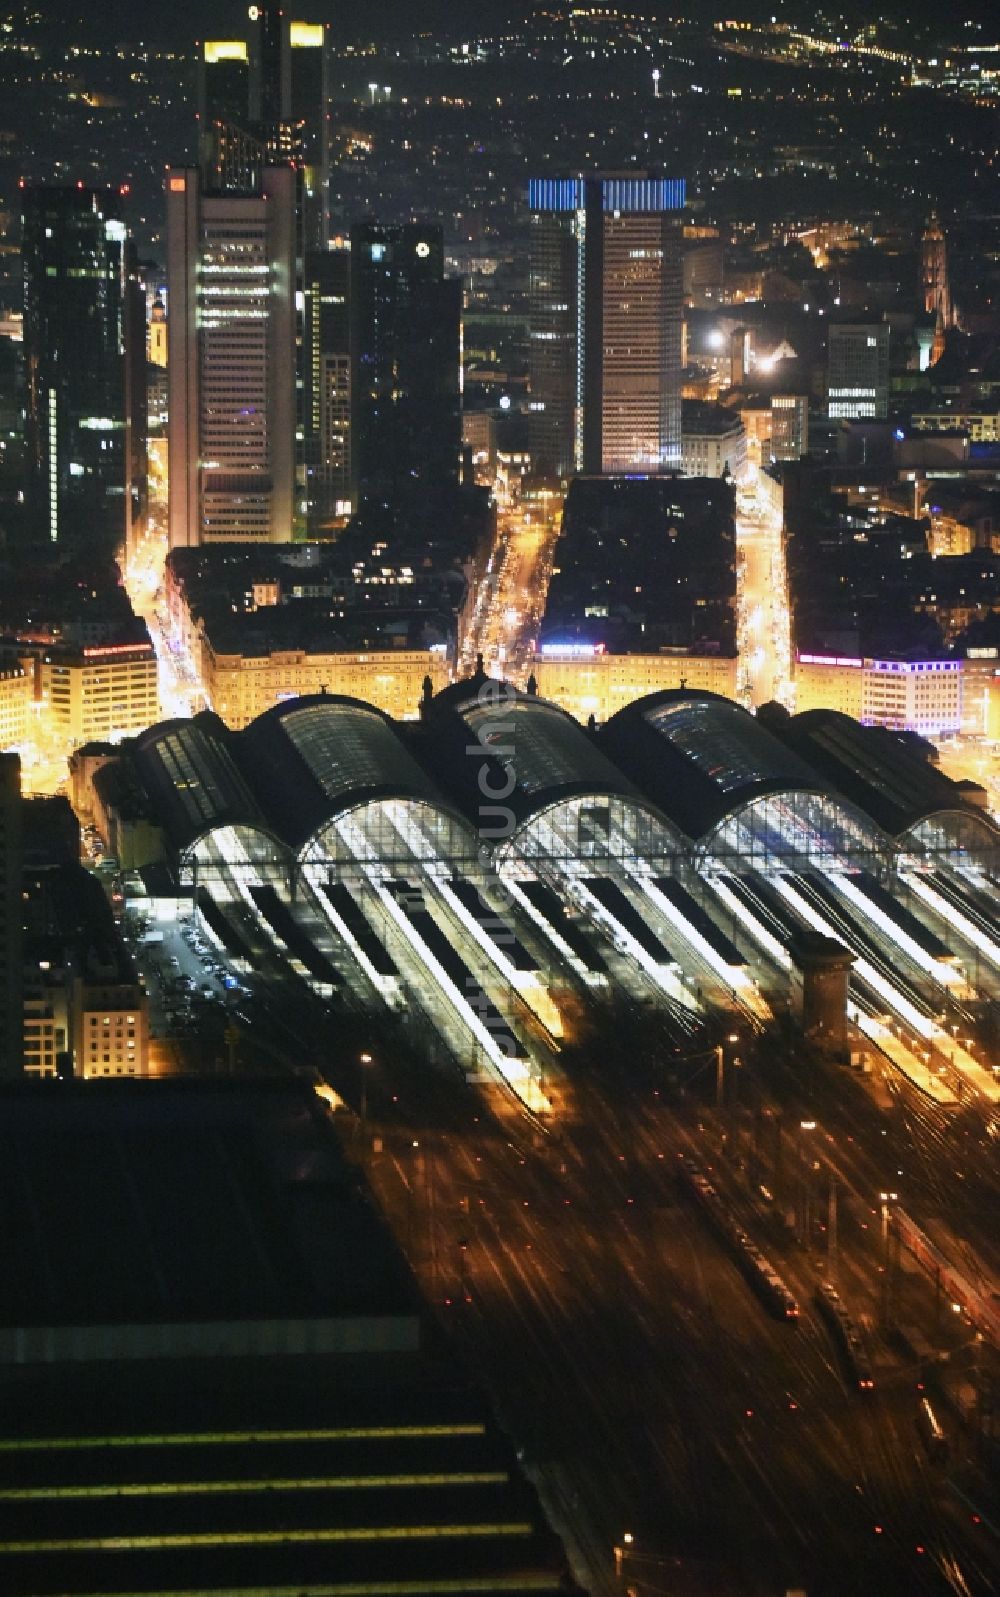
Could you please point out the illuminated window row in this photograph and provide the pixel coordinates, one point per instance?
(354, 1433)
(269, 1538)
(309, 1483)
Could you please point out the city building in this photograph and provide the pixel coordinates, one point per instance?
(223, 109)
(858, 372)
(241, 686)
(587, 680)
(98, 691)
(327, 387)
(777, 426)
(308, 92)
(789, 426)
(10, 915)
(923, 696)
(934, 286)
(713, 441)
(84, 340)
(983, 427)
(605, 324)
(405, 318)
(16, 698)
(82, 993)
(232, 274)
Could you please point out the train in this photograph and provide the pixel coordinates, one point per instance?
(756, 1268)
(932, 1432)
(849, 1341)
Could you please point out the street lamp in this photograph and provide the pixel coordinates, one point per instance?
(620, 1551)
(805, 1183)
(720, 1070)
(886, 1198)
(365, 1061)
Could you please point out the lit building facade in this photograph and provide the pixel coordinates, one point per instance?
(231, 273)
(84, 312)
(100, 691)
(16, 696)
(605, 324)
(789, 426)
(587, 681)
(715, 444)
(241, 687)
(110, 1027)
(327, 387)
(858, 372)
(223, 106)
(923, 696)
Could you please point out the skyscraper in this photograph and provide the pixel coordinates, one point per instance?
(308, 92)
(327, 388)
(858, 372)
(82, 307)
(606, 316)
(406, 427)
(223, 107)
(231, 276)
(268, 77)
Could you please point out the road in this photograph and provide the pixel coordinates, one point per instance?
(763, 623)
(509, 603)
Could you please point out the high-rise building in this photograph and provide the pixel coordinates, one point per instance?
(606, 319)
(84, 421)
(327, 385)
(223, 107)
(858, 372)
(934, 273)
(789, 426)
(406, 429)
(231, 268)
(308, 94)
(10, 915)
(268, 70)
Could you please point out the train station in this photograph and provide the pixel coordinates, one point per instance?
(491, 865)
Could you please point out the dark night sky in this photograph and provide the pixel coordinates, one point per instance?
(178, 21)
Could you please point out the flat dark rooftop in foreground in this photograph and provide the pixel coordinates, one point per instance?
(173, 1201)
(290, 1476)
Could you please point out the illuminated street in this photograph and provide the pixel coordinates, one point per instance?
(509, 603)
(763, 622)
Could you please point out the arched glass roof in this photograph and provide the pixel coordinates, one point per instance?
(189, 771)
(494, 744)
(312, 758)
(888, 778)
(701, 757)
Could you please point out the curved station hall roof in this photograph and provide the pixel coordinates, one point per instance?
(700, 756)
(493, 743)
(676, 772)
(315, 758)
(189, 770)
(887, 777)
(729, 783)
(286, 775)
